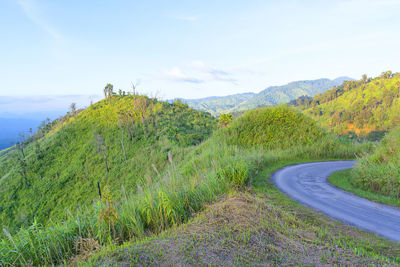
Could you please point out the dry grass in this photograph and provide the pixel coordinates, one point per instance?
(243, 229)
(86, 248)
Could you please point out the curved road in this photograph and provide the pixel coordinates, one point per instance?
(306, 183)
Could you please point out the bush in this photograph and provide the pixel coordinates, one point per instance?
(379, 172)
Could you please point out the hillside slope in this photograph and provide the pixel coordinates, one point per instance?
(270, 96)
(118, 143)
(361, 107)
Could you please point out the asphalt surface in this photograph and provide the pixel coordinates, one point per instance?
(306, 183)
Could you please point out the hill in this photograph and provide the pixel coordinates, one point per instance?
(272, 128)
(270, 96)
(162, 182)
(117, 142)
(370, 106)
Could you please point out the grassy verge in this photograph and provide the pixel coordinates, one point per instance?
(341, 179)
(257, 226)
(379, 172)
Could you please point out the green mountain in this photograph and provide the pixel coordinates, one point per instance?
(218, 104)
(367, 107)
(270, 96)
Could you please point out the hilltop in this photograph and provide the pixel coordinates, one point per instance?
(270, 96)
(367, 107)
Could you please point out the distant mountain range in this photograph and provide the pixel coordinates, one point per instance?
(270, 96)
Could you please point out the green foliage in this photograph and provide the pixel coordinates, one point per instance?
(107, 213)
(343, 180)
(63, 172)
(274, 128)
(236, 172)
(162, 183)
(379, 172)
(225, 120)
(357, 106)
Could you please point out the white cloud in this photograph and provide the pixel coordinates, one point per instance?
(199, 72)
(31, 10)
(178, 75)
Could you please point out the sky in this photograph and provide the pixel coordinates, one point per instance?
(191, 49)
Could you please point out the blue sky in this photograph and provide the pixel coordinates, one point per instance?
(190, 48)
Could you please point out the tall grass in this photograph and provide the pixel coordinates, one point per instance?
(380, 172)
(166, 198)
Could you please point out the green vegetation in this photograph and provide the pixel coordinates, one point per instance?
(274, 127)
(59, 168)
(225, 119)
(366, 108)
(270, 96)
(343, 180)
(218, 104)
(380, 172)
(255, 228)
(142, 196)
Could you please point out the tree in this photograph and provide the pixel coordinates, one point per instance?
(120, 124)
(387, 74)
(225, 120)
(99, 142)
(141, 107)
(108, 92)
(134, 86)
(155, 108)
(398, 87)
(23, 169)
(21, 159)
(364, 78)
(73, 108)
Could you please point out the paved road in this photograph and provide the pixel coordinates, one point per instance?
(306, 183)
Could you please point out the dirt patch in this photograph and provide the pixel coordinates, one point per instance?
(243, 230)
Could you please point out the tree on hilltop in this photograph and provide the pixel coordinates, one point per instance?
(108, 92)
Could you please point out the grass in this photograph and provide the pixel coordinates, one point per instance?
(189, 179)
(274, 127)
(256, 227)
(342, 180)
(379, 172)
(63, 164)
